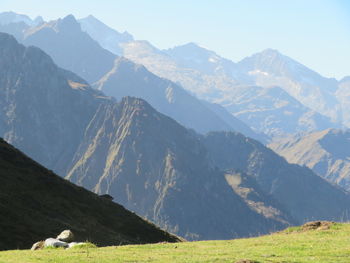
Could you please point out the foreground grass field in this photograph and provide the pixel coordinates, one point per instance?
(291, 245)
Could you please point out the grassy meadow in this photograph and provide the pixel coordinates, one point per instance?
(291, 245)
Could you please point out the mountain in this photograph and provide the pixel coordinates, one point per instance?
(224, 82)
(343, 95)
(11, 17)
(271, 68)
(71, 48)
(147, 161)
(40, 103)
(326, 152)
(16, 29)
(206, 61)
(80, 54)
(36, 203)
(273, 111)
(160, 170)
(204, 86)
(304, 194)
(130, 79)
(107, 37)
(218, 186)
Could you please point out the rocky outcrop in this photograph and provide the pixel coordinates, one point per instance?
(63, 240)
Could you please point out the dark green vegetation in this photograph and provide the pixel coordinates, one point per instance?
(36, 204)
(292, 245)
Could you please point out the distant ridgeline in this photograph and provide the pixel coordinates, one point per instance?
(157, 159)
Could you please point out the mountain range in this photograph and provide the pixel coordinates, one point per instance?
(73, 49)
(308, 102)
(213, 78)
(215, 186)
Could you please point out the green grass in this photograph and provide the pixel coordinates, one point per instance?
(292, 245)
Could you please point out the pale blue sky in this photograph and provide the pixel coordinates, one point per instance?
(314, 32)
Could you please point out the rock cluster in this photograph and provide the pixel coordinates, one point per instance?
(317, 225)
(65, 240)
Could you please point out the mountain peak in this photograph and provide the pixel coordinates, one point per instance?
(7, 39)
(69, 19)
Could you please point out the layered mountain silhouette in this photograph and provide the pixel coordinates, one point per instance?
(73, 49)
(208, 76)
(326, 153)
(219, 80)
(129, 79)
(36, 203)
(294, 186)
(11, 17)
(222, 185)
(271, 68)
(273, 111)
(54, 116)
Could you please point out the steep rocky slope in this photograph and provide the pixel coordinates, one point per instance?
(326, 152)
(40, 103)
(71, 48)
(129, 79)
(54, 116)
(81, 54)
(159, 169)
(273, 111)
(35, 203)
(149, 162)
(304, 194)
(271, 68)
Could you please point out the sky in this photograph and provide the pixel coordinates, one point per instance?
(316, 33)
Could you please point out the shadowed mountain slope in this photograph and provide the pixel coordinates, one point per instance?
(130, 79)
(159, 169)
(71, 48)
(326, 152)
(149, 162)
(304, 194)
(36, 204)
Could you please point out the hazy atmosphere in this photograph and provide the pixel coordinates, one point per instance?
(184, 131)
(315, 32)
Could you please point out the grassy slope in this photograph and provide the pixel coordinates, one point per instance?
(326, 246)
(36, 204)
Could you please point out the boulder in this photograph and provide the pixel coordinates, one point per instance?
(66, 236)
(38, 245)
(53, 242)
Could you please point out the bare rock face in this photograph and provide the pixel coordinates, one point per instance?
(66, 236)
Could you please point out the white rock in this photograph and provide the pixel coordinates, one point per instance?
(52, 242)
(66, 236)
